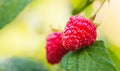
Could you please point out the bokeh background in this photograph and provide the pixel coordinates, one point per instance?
(25, 36)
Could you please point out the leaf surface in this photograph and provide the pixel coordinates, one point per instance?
(92, 58)
(9, 9)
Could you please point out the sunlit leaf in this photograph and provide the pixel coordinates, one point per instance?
(92, 58)
(88, 11)
(79, 5)
(112, 50)
(9, 9)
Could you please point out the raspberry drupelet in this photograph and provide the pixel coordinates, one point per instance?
(79, 32)
(54, 48)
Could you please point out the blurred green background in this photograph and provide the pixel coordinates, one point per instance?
(25, 36)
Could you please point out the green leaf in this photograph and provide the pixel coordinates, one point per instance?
(88, 12)
(92, 58)
(79, 5)
(9, 9)
(114, 57)
(22, 64)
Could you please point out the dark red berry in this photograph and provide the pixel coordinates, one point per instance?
(54, 48)
(79, 32)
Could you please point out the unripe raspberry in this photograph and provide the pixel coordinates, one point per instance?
(54, 48)
(79, 32)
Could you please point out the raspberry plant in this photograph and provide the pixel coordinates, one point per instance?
(75, 48)
(93, 58)
(79, 38)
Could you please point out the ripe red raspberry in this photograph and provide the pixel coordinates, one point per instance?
(79, 32)
(54, 48)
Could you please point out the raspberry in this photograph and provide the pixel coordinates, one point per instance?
(54, 48)
(79, 32)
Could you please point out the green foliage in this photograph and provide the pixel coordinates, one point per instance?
(88, 12)
(79, 5)
(92, 58)
(22, 64)
(114, 56)
(9, 9)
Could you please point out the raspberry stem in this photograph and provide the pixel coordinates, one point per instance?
(94, 15)
(97, 24)
(55, 28)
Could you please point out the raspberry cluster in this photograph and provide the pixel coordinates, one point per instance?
(79, 32)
